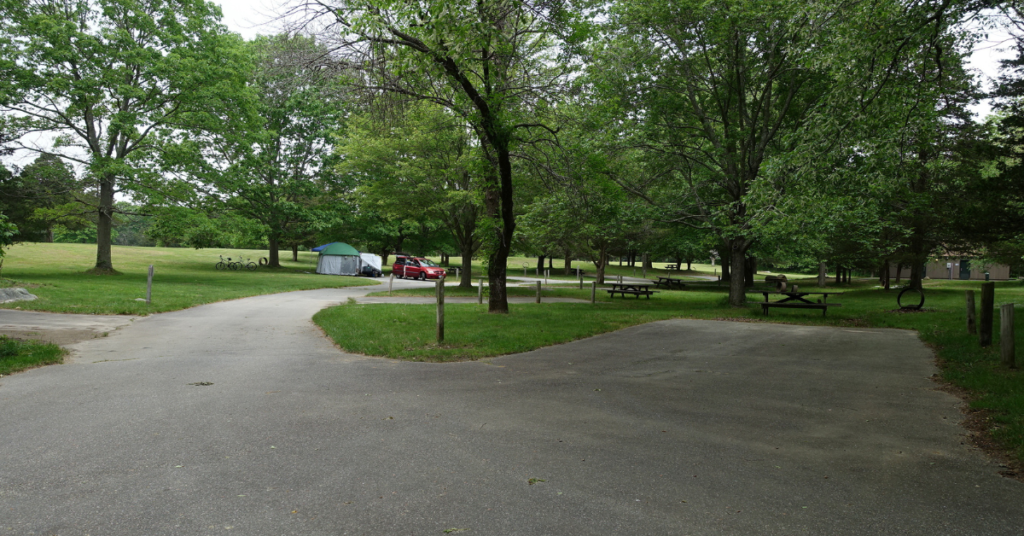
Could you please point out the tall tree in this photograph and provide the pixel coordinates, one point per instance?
(107, 78)
(738, 98)
(492, 62)
(276, 166)
(419, 165)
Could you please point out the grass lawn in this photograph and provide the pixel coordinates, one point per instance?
(183, 278)
(16, 355)
(407, 331)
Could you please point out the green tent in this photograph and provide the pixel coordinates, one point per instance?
(338, 258)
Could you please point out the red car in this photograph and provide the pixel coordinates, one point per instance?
(417, 268)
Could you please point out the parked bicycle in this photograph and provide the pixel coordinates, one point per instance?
(235, 264)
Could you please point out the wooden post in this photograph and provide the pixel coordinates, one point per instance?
(972, 329)
(149, 285)
(645, 270)
(480, 291)
(581, 279)
(1006, 341)
(391, 281)
(822, 274)
(988, 298)
(593, 292)
(440, 311)
(538, 291)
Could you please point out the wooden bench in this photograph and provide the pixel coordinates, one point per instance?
(823, 306)
(636, 293)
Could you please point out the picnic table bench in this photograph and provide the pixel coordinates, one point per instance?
(671, 266)
(797, 300)
(636, 289)
(669, 282)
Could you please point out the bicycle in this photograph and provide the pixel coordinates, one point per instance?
(222, 265)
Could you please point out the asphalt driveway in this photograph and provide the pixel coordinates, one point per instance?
(240, 417)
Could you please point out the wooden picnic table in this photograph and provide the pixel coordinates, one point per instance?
(671, 267)
(798, 300)
(669, 282)
(636, 289)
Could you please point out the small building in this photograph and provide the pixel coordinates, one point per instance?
(957, 268)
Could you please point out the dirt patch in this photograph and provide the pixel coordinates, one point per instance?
(60, 337)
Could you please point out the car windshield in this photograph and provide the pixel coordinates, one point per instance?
(425, 262)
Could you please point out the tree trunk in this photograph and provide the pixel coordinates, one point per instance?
(726, 261)
(295, 253)
(899, 272)
(568, 262)
(737, 292)
(275, 260)
(688, 266)
(466, 276)
(647, 262)
(886, 275)
(540, 263)
(601, 262)
(105, 224)
(916, 275)
(384, 254)
(499, 203)
(749, 269)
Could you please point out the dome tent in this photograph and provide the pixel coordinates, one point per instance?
(339, 258)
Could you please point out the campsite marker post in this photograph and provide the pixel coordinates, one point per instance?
(538, 291)
(971, 327)
(440, 310)
(480, 291)
(149, 285)
(391, 281)
(593, 292)
(1006, 341)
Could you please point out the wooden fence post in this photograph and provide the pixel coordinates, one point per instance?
(580, 273)
(593, 292)
(149, 285)
(538, 291)
(972, 328)
(1007, 344)
(391, 281)
(480, 291)
(440, 310)
(988, 298)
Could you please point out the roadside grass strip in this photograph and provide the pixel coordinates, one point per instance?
(17, 355)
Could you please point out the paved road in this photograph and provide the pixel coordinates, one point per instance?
(675, 427)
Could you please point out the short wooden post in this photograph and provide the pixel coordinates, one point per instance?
(391, 281)
(538, 291)
(440, 311)
(149, 285)
(972, 329)
(1006, 341)
(645, 271)
(988, 299)
(580, 273)
(593, 292)
(480, 291)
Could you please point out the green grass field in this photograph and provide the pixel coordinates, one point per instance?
(183, 278)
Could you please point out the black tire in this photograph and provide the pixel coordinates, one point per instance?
(235, 265)
(221, 266)
(264, 261)
(251, 266)
(423, 276)
(899, 299)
